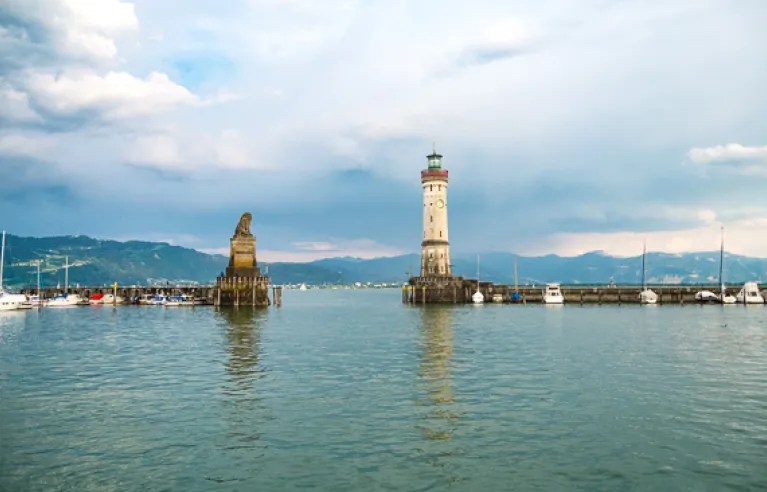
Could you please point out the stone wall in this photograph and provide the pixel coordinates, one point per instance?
(242, 291)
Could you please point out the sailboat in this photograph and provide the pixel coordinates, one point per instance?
(515, 297)
(647, 296)
(477, 298)
(37, 299)
(706, 296)
(723, 297)
(9, 302)
(66, 299)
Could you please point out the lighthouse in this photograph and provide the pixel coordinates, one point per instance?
(435, 248)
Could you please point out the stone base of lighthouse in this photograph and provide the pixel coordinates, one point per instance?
(437, 290)
(449, 290)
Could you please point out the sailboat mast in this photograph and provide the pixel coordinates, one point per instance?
(516, 286)
(2, 262)
(721, 265)
(66, 274)
(644, 259)
(477, 272)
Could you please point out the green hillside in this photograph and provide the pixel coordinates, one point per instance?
(96, 262)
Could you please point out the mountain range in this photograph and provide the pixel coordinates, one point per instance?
(95, 262)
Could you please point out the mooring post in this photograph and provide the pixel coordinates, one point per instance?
(423, 295)
(581, 297)
(455, 294)
(218, 296)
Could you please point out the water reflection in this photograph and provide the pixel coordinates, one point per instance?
(242, 398)
(436, 353)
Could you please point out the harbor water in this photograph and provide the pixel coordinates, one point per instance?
(352, 390)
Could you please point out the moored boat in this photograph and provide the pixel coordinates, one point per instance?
(750, 294)
(553, 294)
(647, 296)
(178, 301)
(477, 297)
(63, 300)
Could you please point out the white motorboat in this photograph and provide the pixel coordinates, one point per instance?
(144, 299)
(497, 298)
(646, 296)
(63, 300)
(750, 294)
(110, 299)
(553, 294)
(178, 301)
(13, 302)
(157, 300)
(36, 301)
(477, 297)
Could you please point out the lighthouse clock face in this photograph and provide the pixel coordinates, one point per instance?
(440, 203)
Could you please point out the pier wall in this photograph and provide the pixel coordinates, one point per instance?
(423, 290)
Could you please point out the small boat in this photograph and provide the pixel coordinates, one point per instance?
(111, 299)
(143, 299)
(96, 299)
(706, 297)
(477, 297)
(157, 300)
(553, 294)
(63, 300)
(647, 296)
(497, 298)
(750, 294)
(177, 301)
(36, 301)
(303, 287)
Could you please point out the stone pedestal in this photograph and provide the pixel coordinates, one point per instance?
(242, 258)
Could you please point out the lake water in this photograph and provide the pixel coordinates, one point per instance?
(351, 390)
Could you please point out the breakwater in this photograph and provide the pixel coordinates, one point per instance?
(424, 290)
(206, 294)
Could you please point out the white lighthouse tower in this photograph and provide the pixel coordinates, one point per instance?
(435, 248)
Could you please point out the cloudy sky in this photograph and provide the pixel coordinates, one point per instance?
(567, 126)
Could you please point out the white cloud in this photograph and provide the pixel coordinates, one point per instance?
(727, 153)
(116, 95)
(14, 105)
(746, 237)
(158, 150)
(86, 28)
(38, 146)
(178, 150)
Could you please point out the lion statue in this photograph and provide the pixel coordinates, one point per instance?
(243, 227)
